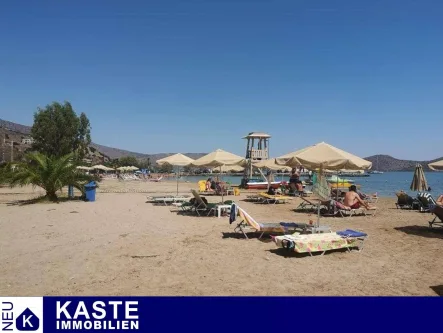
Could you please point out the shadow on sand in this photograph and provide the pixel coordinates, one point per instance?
(43, 200)
(423, 231)
(438, 289)
(291, 254)
(251, 236)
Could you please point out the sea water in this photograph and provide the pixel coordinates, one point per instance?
(385, 184)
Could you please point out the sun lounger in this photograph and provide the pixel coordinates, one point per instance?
(276, 198)
(248, 224)
(357, 235)
(311, 243)
(347, 211)
(156, 179)
(200, 206)
(168, 199)
(437, 210)
(202, 188)
(369, 198)
(185, 207)
(425, 200)
(311, 204)
(254, 198)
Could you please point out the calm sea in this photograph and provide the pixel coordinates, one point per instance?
(385, 184)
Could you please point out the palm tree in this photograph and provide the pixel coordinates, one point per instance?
(50, 173)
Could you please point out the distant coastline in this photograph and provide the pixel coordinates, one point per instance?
(17, 132)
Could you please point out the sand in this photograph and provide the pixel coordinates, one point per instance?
(121, 245)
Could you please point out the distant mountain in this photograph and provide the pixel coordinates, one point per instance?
(10, 126)
(117, 153)
(389, 163)
(97, 153)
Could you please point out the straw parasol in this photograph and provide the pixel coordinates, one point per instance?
(81, 167)
(235, 168)
(219, 158)
(436, 166)
(419, 182)
(101, 167)
(325, 156)
(127, 168)
(176, 160)
(270, 164)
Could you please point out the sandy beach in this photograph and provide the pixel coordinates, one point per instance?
(122, 245)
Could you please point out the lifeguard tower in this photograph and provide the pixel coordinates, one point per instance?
(257, 149)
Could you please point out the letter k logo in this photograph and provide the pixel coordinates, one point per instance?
(27, 321)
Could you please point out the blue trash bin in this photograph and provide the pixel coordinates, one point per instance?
(90, 191)
(70, 192)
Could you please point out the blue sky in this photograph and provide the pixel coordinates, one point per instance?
(193, 76)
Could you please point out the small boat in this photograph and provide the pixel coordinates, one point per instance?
(336, 179)
(258, 184)
(375, 172)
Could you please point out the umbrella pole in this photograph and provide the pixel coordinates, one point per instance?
(222, 189)
(336, 190)
(178, 171)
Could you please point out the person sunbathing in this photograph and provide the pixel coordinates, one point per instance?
(295, 183)
(209, 185)
(353, 200)
(440, 200)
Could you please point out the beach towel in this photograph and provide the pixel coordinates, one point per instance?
(351, 233)
(313, 242)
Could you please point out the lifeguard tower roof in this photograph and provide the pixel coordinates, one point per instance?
(256, 135)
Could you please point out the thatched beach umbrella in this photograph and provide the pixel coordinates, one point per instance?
(81, 167)
(176, 160)
(323, 156)
(101, 167)
(219, 158)
(271, 165)
(436, 166)
(326, 156)
(419, 182)
(228, 168)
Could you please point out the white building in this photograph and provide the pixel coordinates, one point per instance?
(27, 141)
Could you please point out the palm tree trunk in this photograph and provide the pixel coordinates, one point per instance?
(51, 196)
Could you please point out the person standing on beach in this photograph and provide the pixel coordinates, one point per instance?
(270, 179)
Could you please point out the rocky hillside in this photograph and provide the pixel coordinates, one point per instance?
(389, 163)
(117, 153)
(13, 132)
(98, 153)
